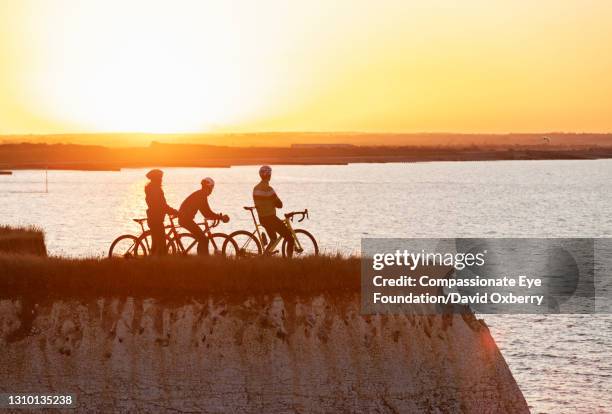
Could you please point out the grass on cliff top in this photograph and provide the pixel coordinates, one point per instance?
(25, 270)
(174, 276)
(23, 240)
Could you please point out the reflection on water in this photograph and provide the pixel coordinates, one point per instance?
(561, 362)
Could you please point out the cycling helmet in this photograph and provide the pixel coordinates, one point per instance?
(153, 174)
(265, 171)
(208, 182)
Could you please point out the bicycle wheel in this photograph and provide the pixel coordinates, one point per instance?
(125, 246)
(217, 242)
(145, 242)
(307, 243)
(189, 244)
(186, 244)
(245, 245)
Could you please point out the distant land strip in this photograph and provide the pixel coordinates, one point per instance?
(94, 157)
(286, 139)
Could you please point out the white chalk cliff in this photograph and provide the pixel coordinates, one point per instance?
(269, 354)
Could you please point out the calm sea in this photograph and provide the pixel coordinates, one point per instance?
(562, 363)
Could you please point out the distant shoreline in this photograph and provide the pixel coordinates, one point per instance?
(97, 158)
(285, 139)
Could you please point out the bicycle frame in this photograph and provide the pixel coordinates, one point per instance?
(145, 240)
(259, 229)
(173, 236)
(141, 222)
(297, 246)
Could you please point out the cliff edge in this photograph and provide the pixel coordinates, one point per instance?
(148, 335)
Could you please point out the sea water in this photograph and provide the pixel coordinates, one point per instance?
(563, 363)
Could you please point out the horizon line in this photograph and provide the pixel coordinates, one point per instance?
(339, 132)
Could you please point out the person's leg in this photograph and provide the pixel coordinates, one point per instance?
(158, 236)
(274, 225)
(285, 233)
(196, 232)
(269, 224)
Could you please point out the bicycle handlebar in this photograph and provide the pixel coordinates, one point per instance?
(303, 215)
(210, 222)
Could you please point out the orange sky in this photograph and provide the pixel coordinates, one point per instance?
(348, 65)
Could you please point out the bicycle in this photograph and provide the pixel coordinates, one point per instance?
(128, 246)
(131, 246)
(186, 244)
(255, 243)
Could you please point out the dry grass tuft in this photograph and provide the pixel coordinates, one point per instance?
(23, 240)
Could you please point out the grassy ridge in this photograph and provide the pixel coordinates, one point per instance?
(26, 271)
(174, 276)
(39, 277)
(28, 240)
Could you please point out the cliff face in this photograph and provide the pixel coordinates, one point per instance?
(276, 353)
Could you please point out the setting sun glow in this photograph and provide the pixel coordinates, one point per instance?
(394, 65)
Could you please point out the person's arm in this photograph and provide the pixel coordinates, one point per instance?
(167, 209)
(156, 200)
(277, 201)
(268, 194)
(207, 212)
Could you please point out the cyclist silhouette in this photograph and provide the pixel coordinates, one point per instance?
(198, 201)
(156, 211)
(266, 203)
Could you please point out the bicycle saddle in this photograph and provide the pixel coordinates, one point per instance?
(140, 221)
(249, 208)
